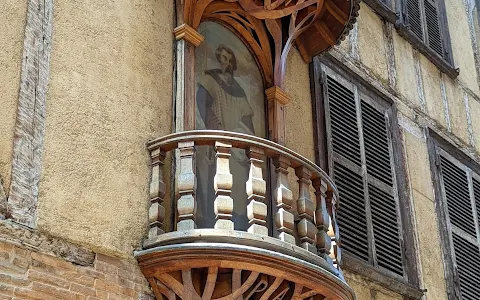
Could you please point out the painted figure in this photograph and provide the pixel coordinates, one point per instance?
(222, 105)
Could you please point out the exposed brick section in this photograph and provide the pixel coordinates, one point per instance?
(30, 121)
(27, 274)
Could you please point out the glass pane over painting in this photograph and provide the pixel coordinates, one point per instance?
(230, 97)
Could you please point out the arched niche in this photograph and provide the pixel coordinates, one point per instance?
(230, 96)
(270, 28)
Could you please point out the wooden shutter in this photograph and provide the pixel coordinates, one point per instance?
(414, 16)
(461, 189)
(457, 194)
(383, 206)
(345, 144)
(424, 21)
(377, 152)
(359, 151)
(433, 27)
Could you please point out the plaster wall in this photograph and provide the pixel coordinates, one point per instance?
(462, 43)
(299, 134)
(371, 43)
(13, 15)
(110, 90)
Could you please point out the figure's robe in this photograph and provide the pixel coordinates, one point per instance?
(222, 107)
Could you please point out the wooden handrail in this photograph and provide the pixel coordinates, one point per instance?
(242, 141)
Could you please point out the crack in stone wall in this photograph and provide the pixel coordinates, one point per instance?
(30, 120)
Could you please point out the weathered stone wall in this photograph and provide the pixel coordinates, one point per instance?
(425, 98)
(110, 90)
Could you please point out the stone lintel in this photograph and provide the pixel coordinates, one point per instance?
(187, 33)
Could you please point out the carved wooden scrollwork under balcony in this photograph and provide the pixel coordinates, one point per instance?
(271, 28)
(293, 247)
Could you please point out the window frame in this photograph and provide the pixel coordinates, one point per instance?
(398, 16)
(437, 146)
(409, 284)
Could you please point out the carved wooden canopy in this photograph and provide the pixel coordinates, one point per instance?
(270, 27)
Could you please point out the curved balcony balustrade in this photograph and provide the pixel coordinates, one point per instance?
(290, 249)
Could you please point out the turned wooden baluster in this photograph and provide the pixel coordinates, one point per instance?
(305, 207)
(322, 219)
(156, 212)
(333, 231)
(223, 182)
(256, 189)
(186, 205)
(284, 219)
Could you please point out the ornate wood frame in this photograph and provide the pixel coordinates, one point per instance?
(270, 29)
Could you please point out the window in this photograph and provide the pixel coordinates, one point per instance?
(424, 24)
(458, 194)
(358, 144)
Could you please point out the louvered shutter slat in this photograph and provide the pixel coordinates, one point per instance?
(385, 230)
(433, 27)
(352, 224)
(376, 144)
(467, 257)
(458, 197)
(343, 121)
(414, 18)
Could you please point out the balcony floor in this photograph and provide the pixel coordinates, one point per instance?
(208, 264)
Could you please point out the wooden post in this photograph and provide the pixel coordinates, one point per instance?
(333, 232)
(277, 99)
(322, 219)
(305, 207)
(256, 189)
(186, 205)
(156, 212)
(223, 181)
(284, 219)
(187, 39)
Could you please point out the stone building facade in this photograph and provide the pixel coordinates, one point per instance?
(85, 84)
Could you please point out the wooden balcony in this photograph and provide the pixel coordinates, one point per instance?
(290, 249)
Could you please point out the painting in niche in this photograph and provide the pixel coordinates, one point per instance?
(230, 97)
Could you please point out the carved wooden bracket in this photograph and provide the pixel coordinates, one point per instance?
(185, 32)
(270, 28)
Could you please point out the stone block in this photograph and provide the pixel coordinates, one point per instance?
(82, 289)
(371, 42)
